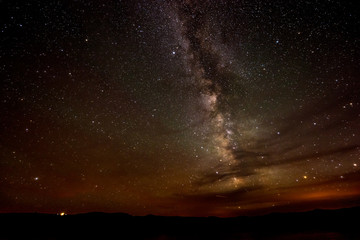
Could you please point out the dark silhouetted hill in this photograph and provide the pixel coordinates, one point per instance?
(317, 224)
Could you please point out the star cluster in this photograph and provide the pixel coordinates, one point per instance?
(182, 107)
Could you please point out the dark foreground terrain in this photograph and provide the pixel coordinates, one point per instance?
(318, 224)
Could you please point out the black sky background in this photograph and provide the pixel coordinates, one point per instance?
(189, 108)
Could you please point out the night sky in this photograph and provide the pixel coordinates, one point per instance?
(188, 107)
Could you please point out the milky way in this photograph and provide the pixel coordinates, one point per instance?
(189, 108)
(206, 70)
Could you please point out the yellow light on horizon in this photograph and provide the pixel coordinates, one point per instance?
(62, 214)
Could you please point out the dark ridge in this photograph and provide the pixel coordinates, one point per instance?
(317, 224)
